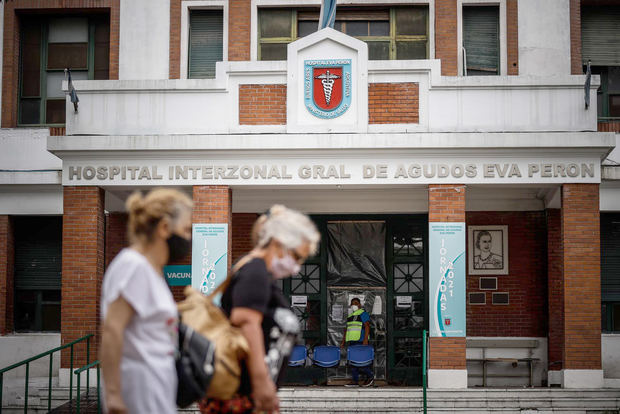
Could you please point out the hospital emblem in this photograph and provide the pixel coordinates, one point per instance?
(327, 87)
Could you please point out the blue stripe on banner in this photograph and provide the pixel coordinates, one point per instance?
(439, 316)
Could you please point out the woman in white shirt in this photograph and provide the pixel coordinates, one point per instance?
(139, 314)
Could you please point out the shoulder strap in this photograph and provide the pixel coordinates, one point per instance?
(222, 287)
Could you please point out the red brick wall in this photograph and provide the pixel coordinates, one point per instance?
(10, 59)
(242, 234)
(262, 104)
(526, 282)
(7, 255)
(446, 203)
(82, 268)
(555, 289)
(239, 30)
(213, 204)
(575, 37)
(582, 276)
(115, 235)
(609, 126)
(393, 103)
(445, 36)
(447, 353)
(512, 33)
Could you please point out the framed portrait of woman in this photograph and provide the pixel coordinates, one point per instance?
(487, 250)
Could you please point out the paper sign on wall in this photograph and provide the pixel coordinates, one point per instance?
(299, 301)
(447, 279)
(337, 312)
(209, 256)
(403, 301)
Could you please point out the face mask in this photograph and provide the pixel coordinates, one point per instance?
(354, 308)
(282, 267)
(178, 247)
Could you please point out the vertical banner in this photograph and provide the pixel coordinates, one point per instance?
(447, 279)
(209, 256)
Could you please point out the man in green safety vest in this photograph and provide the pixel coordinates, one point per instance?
(357, 332)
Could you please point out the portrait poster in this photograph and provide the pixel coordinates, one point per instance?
(447, 311)
(487, 249)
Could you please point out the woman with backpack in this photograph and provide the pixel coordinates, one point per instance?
(284, 239)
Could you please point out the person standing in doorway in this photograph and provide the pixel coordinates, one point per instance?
(357, 332)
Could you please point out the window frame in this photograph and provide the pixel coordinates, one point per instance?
(43, 21)
(604, 92)
(607, 310)
(503, 35)
(186, 7)
(297, 4)
(393, 38)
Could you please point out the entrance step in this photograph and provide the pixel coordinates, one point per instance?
(479, 401)
(38, 395)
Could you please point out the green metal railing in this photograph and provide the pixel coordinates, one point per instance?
(424, 367)
(51, 355)
(78, 372)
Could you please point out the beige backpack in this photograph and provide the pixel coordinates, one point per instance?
(202, 315)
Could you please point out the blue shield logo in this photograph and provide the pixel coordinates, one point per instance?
(327, 87)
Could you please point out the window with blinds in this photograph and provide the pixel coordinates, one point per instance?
(481, 40)
(37, 273)
(48, 45)
(600, 35)
(610, 271)
(600, 44)
(206, 37)
(391, 33)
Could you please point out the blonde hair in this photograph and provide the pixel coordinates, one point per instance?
(289, 227)
(146, 211)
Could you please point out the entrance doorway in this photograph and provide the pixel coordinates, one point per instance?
(382, 260)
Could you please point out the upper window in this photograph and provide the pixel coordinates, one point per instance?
(394, 33)
(600, 30)
(481, 40)
(206, 34)
(48, 46)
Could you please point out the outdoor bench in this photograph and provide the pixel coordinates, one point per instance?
(491, 343)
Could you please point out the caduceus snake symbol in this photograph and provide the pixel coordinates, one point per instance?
(327, 79)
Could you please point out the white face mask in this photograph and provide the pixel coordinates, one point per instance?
(353, 308)
(285, 266)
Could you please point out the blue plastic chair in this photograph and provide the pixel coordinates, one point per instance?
(298, 356)
(360, 355)
(326, 356)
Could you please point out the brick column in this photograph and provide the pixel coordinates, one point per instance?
(576, 67)
(581, 264)
(555, 291)
(82, 269)
(447, 364)
(7, 255)
(116, 235)
(239, 12)
(445, 36)
(213, 204)
(242, 224)
(512, 32)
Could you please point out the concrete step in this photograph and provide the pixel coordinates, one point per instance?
(409, 400)
(37, 398)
